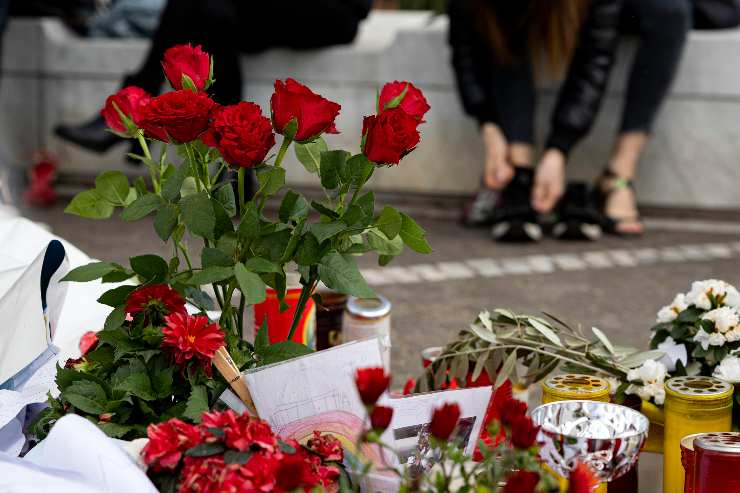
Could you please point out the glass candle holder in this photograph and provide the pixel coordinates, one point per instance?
(692, 405)
(687, 460)
(717, 462)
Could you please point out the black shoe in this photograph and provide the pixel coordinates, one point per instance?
(93, 135)
(480, 210)
(577, 216)
(515, 220)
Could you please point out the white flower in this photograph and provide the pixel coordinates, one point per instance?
(733, 335)
(724, 318)
(650, 377)
(706, 340)
(693, 368)
(716, 339)
(700, 291)
(673, 352)
(614, 384)
(670, 312)
(653, 391)
(728, 369)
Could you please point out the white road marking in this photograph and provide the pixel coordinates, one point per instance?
(485, 267)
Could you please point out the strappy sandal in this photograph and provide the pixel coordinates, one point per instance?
(608, 183)
(576, 215)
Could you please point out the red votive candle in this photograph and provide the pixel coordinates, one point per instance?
(687, 460)
(717, 462)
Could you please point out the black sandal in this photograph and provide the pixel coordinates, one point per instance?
(576, 215)
(608, 183)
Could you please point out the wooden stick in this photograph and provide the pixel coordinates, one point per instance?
(229, 370)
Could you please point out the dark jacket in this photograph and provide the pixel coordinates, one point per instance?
(580, 95)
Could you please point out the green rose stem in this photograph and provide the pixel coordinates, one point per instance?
(241, 175)
(148, 156)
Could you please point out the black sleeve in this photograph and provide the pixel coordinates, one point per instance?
(581, 95)
(466, 47)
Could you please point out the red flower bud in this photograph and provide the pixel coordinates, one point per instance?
(522, 482)
(312, 113)
(389, 136)
(523, 432)
(380, 418)
(413, 102)
(127, 102)
(371, 383)
(186, 60)
(88, 342)
(408, 388)
(444, 421)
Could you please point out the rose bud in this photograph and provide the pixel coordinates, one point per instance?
(241, 133)
(522, 482)
(523, 432)
(389, 136)
(408, 388)
(180, 116)
(371, 383)
(187, 67)
(122, 110)
(406, 96)
(380, 418)
(444, 421)
(88, 342)
(294, 104)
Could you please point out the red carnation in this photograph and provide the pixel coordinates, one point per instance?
(189, 337)
(513, 410)
(389, 136)
(380, 417)
(414, 103)
(167, 442)
(186, 60)
(522, 482)
(179, 115)
(88, 342)
(129, 102)
(241, 133)
(523, 432)
(444, 421)
(371, 383)
(159, 298)
(313, 113)
(582, 479)
(326, 446)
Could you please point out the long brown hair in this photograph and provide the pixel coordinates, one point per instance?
(552, 27)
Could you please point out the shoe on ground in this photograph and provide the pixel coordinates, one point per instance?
(515, 220)
(92, 135)
(479, 211)
(576, 215)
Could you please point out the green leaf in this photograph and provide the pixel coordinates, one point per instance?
(137, 384)
(506, 370)
(251, 285)
(604, 340)
(141, 207)
(198, 215)
(342, 275)
(172, 185)
(112, 186)
(166, 220)
(91, 205)
(309, 154)
(308, 251)
(271, 179)
(286, 448)
(258, 264)
(87, 396)
(197, 403)
(359, 169)
(262, 340)
(381, 244)
(115, 318)
(322, 209)
(636, 359)
(393, 103)
(293, 206)
(236, 457)
(150, 267)
(115, 430)
(205, 449)
(162, 382)
(331, 169)
(546, 331)
(389, 222)
(324, 231)
(283, 351)
(91, 271)
(213, 257)
(249, 227)
(116, 296)
(225, 196)
(273, 246)
(224, 225)
(413, 235)
(211, 275)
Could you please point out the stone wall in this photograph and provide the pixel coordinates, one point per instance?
(51, 76)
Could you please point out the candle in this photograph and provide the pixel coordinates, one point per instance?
(717, 459)
(687, 460)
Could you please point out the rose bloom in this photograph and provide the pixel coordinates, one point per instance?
(313, 113)
(181, 115)
(187, 60)
(522, 482)
(414, 103)
(582, 479)
(444, 421)
(523, 432)
(241, 134)
(88, 342)
(167, 442)
(189, 337)
(158, 297)
(389, 136)
(129, 101)
(380, 417)
(371, 383)
(326, 446)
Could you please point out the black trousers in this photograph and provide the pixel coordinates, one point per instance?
(661, 26)
(226, 28)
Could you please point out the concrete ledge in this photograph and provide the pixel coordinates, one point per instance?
(50, 76)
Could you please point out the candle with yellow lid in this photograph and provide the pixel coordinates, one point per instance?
(692, 405)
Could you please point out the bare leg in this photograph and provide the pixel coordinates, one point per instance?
(621, 203)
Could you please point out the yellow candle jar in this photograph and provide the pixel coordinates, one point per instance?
(575, 387)
(692, 405)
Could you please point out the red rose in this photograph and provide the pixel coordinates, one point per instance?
(414, 103)
(371, 383)
(314, 114)
(189, 337)
(522, 482)
(523, 432)
(167, 442)
(380, 417)
(155, 298)
(582, 479)
(184, 60)
(179, 115)
(390, 136)
(241, 133)
(444, 421)
(129, 102)
(326, 446)
(88, 342)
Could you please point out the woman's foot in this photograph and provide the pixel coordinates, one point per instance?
(92, 135)
(515, 220)
(618, 205)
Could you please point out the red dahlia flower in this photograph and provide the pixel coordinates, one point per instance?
(326, 446)
(158, 297)
(523, 432)
(241, 133)
(522, 482)
(129, 102)
(371, 383)
(313, 113)
(88, 342)
(582, 479)
(444, 421)
(380, 417)
(389, 136)
(189, 337)
(186, 60)
(179, 116)
(204, 474)
(294, 471)
(414, 103)
(167, 442)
